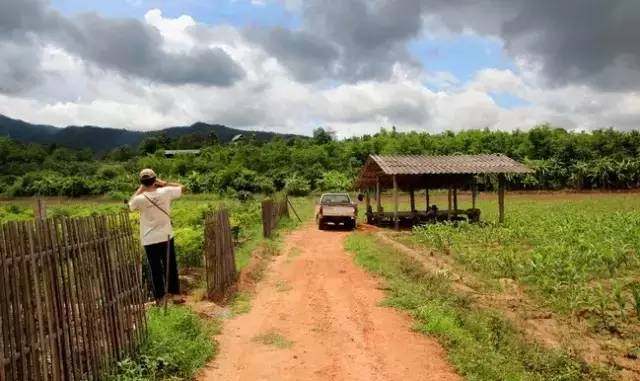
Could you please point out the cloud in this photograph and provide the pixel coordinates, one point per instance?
(19, 66)
(588, 42)
(127, 46)
(348, 40)
(308, 57)
(346, 66)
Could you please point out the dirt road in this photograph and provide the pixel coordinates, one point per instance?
(316, 316)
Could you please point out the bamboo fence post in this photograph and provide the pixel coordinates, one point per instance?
(70, 299)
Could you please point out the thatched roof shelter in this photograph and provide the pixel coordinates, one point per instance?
(411, 172)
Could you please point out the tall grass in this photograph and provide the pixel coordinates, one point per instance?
(177, 346)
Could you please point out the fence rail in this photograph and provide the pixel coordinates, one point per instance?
(71, 299)
(272, 212)
(219, 256)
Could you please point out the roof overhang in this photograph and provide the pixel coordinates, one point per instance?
(418, 171)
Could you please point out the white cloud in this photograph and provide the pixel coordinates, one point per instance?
(73, 91)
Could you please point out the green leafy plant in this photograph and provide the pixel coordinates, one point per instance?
(178, 343)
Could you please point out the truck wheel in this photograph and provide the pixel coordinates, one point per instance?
(321, 225)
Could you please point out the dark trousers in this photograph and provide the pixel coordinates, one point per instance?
(157, 257)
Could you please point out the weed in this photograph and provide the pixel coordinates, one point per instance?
(241, 303)
(620, 299)
(294, 252)
(635, 291)
(282, 286)
(273, 338)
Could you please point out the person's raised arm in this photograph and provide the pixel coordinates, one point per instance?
(161, 184)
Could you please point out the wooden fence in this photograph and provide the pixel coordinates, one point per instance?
(71, 299)
(272, 212)
(220, 263)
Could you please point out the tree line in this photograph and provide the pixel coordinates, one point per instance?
(603, 159)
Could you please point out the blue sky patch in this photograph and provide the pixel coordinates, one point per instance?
(462, 56)
(508, 100)
(233, 12)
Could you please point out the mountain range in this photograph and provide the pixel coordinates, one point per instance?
(102, 139)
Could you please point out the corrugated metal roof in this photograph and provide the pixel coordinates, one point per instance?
(471, 164)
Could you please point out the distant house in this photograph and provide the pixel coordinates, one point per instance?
(173, 152)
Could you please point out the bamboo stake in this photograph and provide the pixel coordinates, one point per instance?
(167, 272)
(38, 301)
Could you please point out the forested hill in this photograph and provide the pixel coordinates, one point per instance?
(101, 139)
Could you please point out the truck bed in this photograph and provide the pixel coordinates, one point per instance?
(338, 210)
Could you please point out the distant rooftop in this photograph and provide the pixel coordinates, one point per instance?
(174, 152)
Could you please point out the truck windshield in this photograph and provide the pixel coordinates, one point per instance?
(335, 199)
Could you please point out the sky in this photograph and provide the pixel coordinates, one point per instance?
(353, 66)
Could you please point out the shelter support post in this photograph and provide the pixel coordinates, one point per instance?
(449, 204)
(474, 193)
(396, 222)
(455, 199)
(412, 200)
(378, 201)
(426, 199)
(501, 184)
(368, 199)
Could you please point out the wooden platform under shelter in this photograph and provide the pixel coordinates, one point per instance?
(416, 172)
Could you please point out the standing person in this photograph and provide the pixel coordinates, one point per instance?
(153, 200)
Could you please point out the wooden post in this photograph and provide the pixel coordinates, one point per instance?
(368, 202)
(378, 201)
(396, 221)
(412, 200)
(449, 205)
(474, 193)
(455, 200)
(40, 209)
(501, 198)
(267, 217)
(426, 199)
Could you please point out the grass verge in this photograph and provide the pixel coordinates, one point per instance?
(481, 344)
(178, 344)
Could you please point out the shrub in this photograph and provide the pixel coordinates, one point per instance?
(117, 195)
(75, 186)
(178, 343)
(110, 171)
(189, 244)
(297, 186)
(334, 181)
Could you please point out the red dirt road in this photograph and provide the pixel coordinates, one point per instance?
(327, 308)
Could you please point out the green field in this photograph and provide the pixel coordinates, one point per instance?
(576, 255)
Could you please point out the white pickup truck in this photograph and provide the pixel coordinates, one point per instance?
(336, 209)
